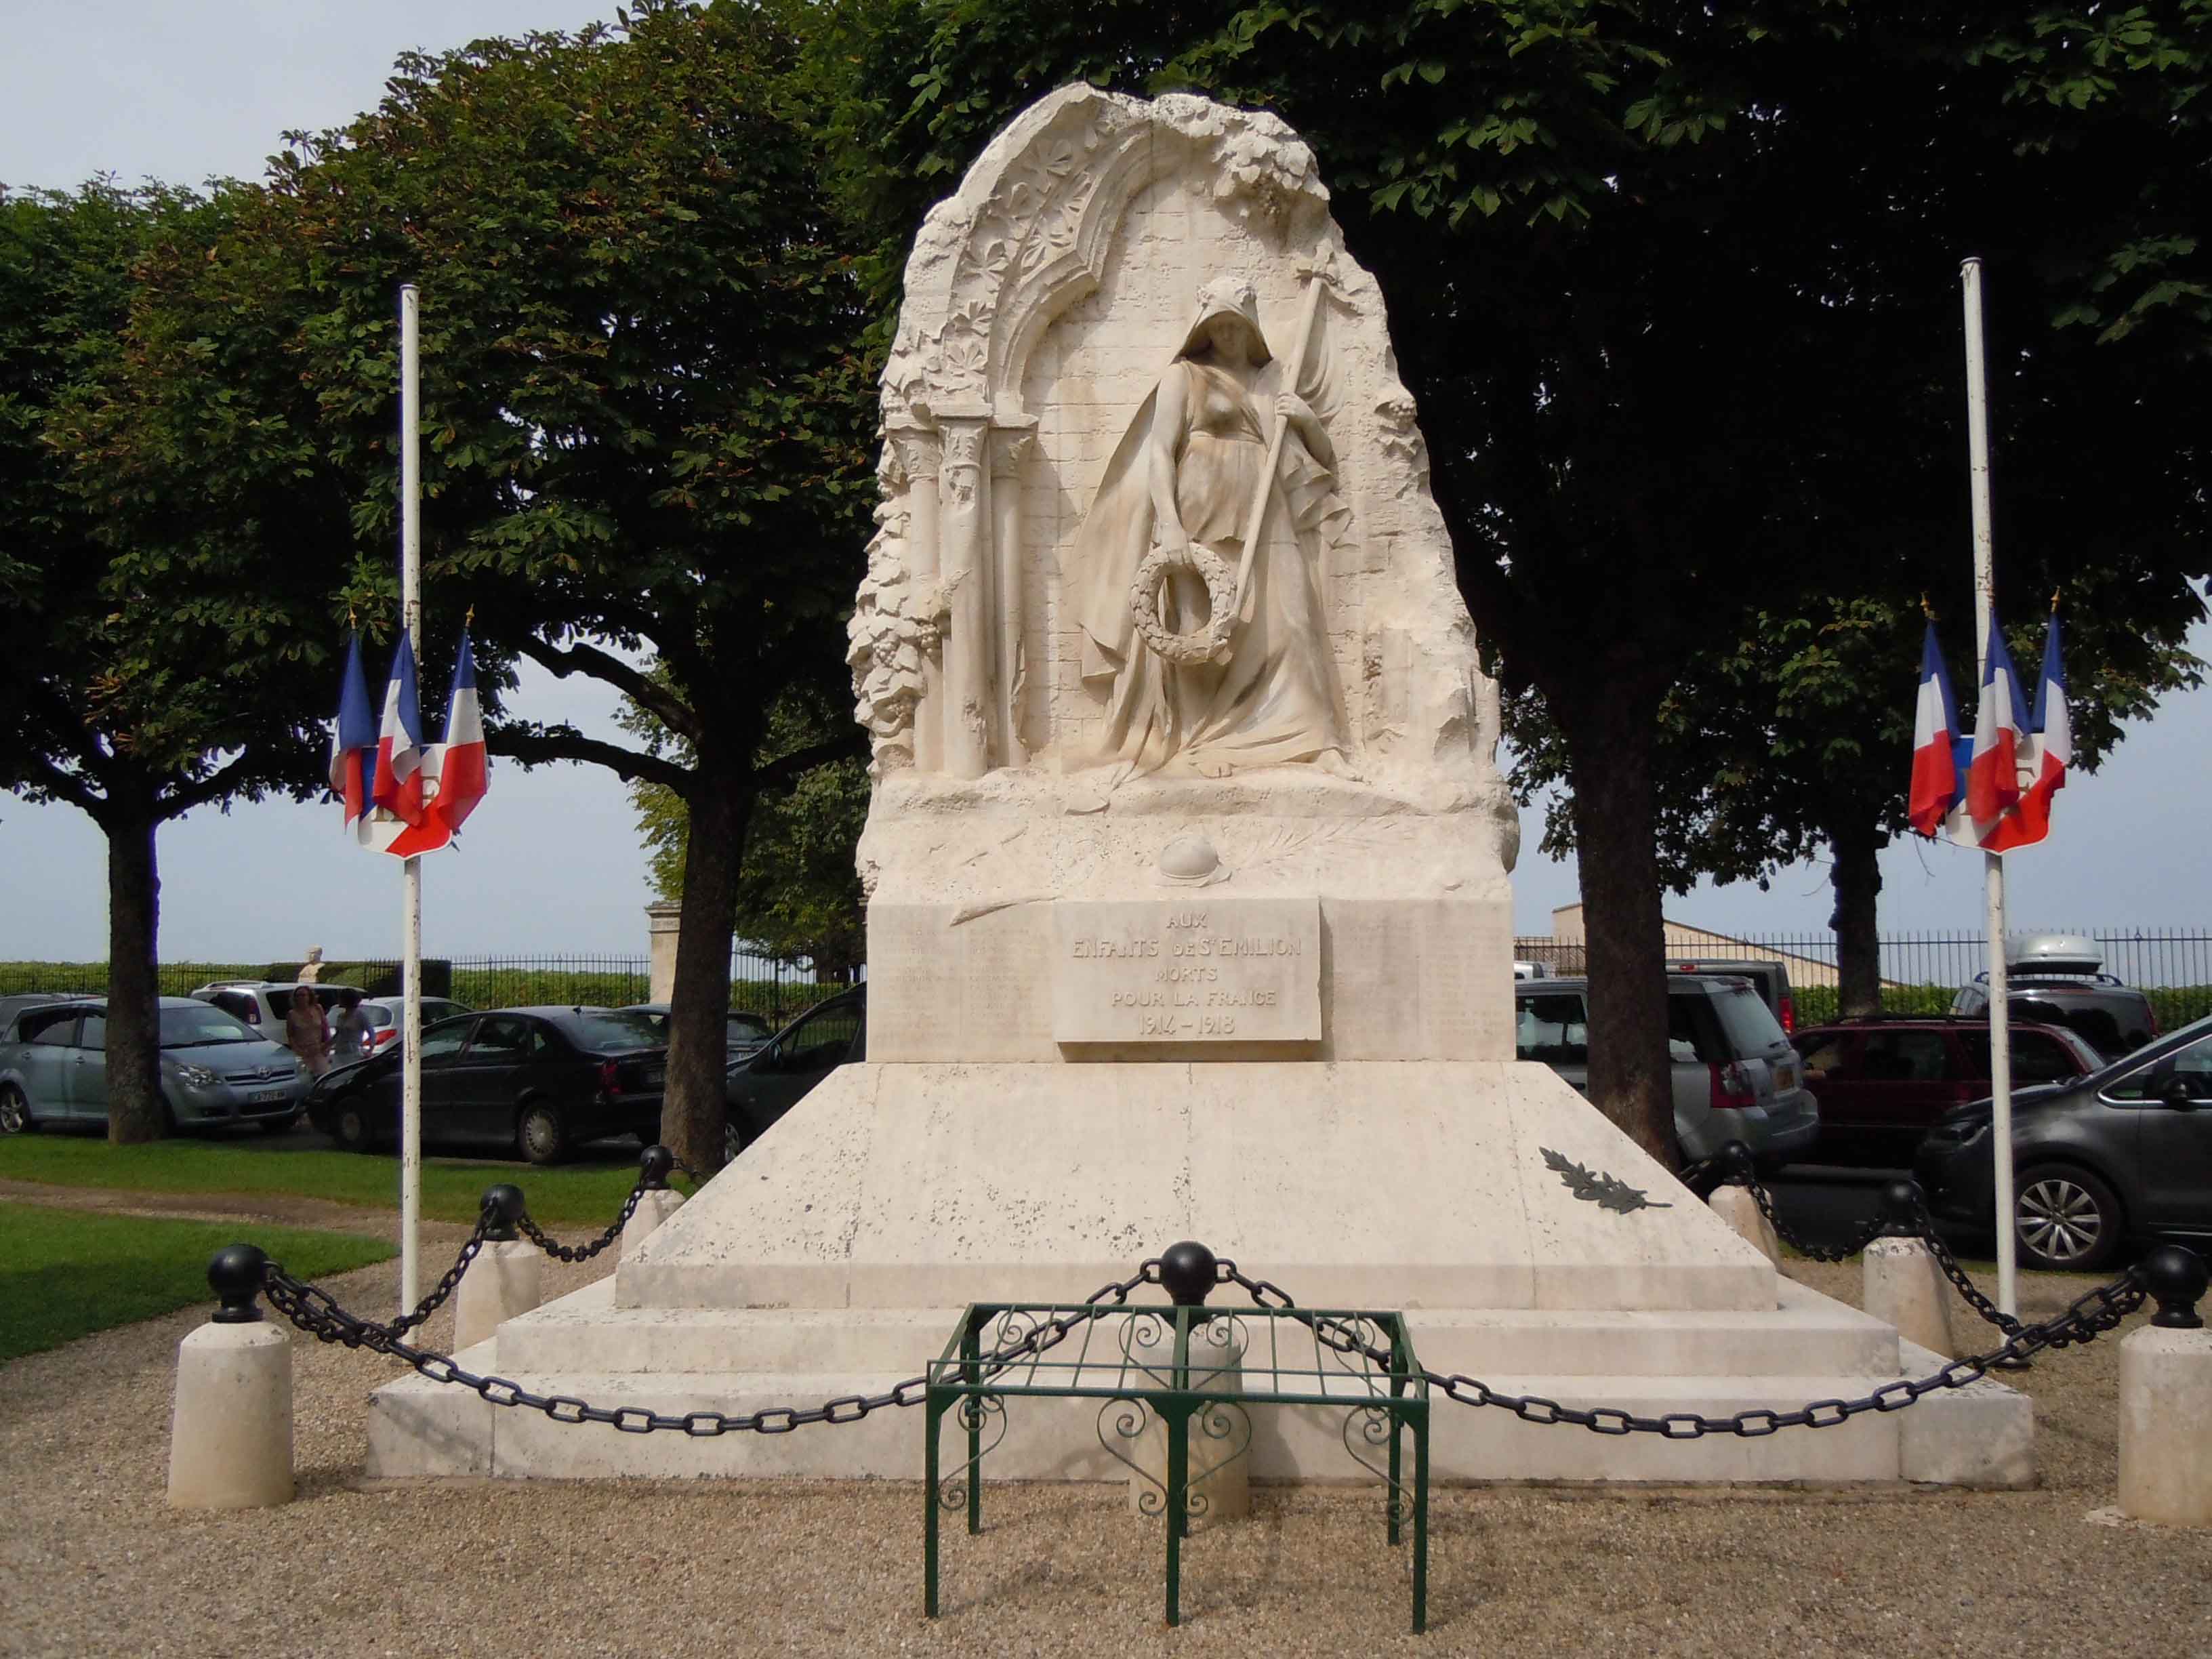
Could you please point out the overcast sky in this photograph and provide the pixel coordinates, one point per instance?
(185, 90)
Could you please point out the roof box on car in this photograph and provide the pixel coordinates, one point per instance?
(2053, 953)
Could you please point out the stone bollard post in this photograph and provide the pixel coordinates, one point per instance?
(504, 1278)
(1214, 1438)
(2166, 1398)
(1735, 1206)
(655, 1204)
(230, 1430)
(1904, 1286)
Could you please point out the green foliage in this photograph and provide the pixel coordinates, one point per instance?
(798, 890)
(70, 1275)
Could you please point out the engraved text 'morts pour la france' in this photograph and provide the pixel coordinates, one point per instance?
(1175, 970)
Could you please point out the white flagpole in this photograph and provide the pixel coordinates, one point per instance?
(1985, 591)
(411, 601)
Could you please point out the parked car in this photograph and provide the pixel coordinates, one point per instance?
(386, 1015)
(1736, 1078)
(743, 1032)
(1769, 977)
(214, 1069)
(2125, 1152)
(541, 1080)
(1883, 1082)
(263, 1003)
(764, 1085)
(2058, 979)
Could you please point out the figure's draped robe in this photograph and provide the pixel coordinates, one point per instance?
(1275, 702)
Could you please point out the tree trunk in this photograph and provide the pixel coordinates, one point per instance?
(1630, 1079)
(135, 1111)
(694, 1111)
(1856, 878)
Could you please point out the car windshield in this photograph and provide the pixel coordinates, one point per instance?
(607, 1029)
(201, 1024)
(2172, 1042)
(1750, 1024)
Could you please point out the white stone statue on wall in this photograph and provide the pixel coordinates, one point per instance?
(1208, 660)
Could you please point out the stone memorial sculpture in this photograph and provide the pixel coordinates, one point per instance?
(1209, 634)
(1189, 911)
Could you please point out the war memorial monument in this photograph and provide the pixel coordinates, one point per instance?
(1189, 905)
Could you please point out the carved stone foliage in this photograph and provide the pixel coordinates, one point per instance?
(897, 619)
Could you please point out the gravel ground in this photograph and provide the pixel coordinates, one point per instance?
(92, 1562)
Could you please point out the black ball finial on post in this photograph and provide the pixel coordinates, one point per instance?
(1187, 1274)
(234, 1274)
(653, 1167)
(503, 1206)
(1900, 1208)
(2176, 1277)
(1736, 1162)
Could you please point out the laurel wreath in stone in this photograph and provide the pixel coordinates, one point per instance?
(1204, 644)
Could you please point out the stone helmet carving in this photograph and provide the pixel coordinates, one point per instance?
(1227, 296)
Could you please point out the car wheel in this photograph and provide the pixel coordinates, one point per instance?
(350, 1129)
(14, 1110)
(542, 1136)
(734, 1140)
(2065, 1219)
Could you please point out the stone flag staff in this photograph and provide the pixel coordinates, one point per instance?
(1193, 484)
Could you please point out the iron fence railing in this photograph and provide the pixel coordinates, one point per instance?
(778, 990)
(1920, 971)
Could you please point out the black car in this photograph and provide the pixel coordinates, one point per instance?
(2125, 1152)
(742, 1031)
(765, 1084)
(540, 1080)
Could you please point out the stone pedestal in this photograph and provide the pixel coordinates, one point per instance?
(1904, 1287)
(501, 1282)
(1736, 1206)
(664, 926)
(1217, 1440)
(230, 1431)
(653, 1207)
(2166, 1427)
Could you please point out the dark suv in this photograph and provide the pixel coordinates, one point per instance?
(2058, 979)
(1881, 1082)
(2123, 1152)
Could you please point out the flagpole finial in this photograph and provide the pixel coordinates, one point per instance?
(470, 620)
(2054, 601)
(1926, 609)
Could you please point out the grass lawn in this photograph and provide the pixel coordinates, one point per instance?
(66, 1274)
(452, 1189)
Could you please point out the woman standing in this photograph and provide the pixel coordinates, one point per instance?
(1185, 477)
(307, 1033)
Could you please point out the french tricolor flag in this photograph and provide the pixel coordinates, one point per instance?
(1993, 775)
(398, 786)
(353, 744)
(465, 772)
(2049, 750)
(1935, 783)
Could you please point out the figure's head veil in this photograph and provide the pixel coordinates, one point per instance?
(1227, 296)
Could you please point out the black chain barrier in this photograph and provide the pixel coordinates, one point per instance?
(2099, 1311)
(315, 1312)
(1907, 1216)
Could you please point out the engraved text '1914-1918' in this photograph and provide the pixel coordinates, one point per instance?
(1212, 971)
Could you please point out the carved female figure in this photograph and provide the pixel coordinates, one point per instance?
(1186, 474)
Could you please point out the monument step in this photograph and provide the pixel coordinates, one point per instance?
(1980, 1436)
(589, 1332)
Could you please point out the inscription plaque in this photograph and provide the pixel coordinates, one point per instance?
(1201, 970)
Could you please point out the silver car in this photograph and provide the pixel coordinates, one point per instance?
(214, 1069)
(1736, 1078)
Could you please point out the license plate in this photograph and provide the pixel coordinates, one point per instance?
(1785, 1076)
(654, 1077)
(265, 1096)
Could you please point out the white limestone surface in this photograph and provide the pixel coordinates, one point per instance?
(2166, 1427)
(1378, 1184)
(230, 1425)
